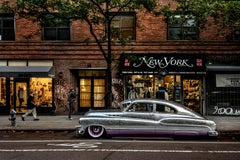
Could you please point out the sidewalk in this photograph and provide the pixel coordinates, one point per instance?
(45, 123)
(226, 123)
(61, 123)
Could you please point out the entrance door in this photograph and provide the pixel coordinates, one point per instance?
(92, 92)
(20, 96)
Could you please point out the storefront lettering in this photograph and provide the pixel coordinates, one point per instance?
(162, 63)
(226, 111)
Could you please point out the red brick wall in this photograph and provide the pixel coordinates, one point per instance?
(149, 28)
(27, 30)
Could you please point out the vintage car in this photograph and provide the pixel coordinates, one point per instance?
(146, 117)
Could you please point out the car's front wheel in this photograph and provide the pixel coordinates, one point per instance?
(95, 131)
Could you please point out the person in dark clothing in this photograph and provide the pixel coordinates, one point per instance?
(147, 94)
(71, 100)
(161, 93)
(31, 107)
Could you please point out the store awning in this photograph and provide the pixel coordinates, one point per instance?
(223, 68)
(27, 71)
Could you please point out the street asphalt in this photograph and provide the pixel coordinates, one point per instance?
(225, 124)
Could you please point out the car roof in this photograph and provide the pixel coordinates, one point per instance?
(180, 107)
(150, 100)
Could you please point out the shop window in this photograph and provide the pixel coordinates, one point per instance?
(192, 94)
(179, 29)
(20, 96)
(56, 28)
(2, 91)
(42, 88)
(123, 26)
(7, 28)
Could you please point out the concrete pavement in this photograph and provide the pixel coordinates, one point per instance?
(226, 123)
(45, 123)
(62, 123)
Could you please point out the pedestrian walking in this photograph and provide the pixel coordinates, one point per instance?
(71, 100)
(31, 107)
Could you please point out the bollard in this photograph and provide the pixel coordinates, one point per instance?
(12, 117)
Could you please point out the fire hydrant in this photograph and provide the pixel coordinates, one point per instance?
(12, 117)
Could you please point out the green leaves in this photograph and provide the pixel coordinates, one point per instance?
(225, 13)
(5, 8)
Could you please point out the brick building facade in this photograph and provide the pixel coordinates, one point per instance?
(210, 86)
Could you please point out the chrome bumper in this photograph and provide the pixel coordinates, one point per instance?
(213, 133)
(80, 131)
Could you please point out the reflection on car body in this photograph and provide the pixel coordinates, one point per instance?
(146, 117)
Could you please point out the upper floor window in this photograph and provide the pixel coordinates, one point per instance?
(179, 29)
(123, 26)
(56, 29)
(7, 27)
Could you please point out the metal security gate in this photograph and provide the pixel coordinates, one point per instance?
(223, 94)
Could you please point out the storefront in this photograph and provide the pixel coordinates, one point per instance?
(17, 81)
(223, 85)
(181, 77)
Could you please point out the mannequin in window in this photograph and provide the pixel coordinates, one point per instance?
(20, 97)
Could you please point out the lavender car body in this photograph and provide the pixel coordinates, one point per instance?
(146, 117)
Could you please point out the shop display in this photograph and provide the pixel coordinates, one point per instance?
(191, 94)
(185, 91)
(42, 88)
(2, 91)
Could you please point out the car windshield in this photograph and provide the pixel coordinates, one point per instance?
(124, 104)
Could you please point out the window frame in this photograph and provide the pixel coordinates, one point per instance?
(183, 28)
(56, 28)
(131, 29)
(4, 30)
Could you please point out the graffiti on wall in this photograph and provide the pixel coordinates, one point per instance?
(219, 110)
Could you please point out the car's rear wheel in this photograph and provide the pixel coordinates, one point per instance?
(95, 131)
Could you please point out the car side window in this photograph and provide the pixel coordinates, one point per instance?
(141, 107)
(164, 109)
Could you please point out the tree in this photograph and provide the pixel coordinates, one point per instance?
(96, 13)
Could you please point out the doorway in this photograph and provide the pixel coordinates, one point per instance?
(18, 95)
(92, 93)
